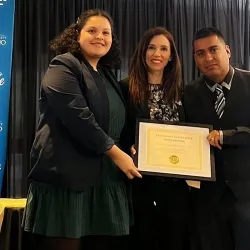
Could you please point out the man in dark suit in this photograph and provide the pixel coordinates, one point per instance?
(221, 97)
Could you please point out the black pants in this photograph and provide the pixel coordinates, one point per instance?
(219, 224)
(161, 210)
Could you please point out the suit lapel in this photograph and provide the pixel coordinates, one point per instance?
(144, 110)
(181, 113)
(231, 98)
(207, 99)
(89, 81)
(96, 95)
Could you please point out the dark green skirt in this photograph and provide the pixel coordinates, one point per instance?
(57, 212)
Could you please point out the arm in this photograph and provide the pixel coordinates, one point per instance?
(235, 137)
(61, 88)
(240, 136)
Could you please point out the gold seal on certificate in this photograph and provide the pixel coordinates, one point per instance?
(174, 159)
(176, 150)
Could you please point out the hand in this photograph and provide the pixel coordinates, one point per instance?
(132, 150)
(214, 139)
(124, 162)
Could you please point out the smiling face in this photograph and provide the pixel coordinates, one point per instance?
(95, 38)
(158, 53)
(212, 57)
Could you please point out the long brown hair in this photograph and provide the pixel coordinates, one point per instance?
(138, 73)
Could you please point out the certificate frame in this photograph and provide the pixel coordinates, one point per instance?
(208, 174)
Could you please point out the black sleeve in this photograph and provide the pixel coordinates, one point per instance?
(61, 88)
(240, 136)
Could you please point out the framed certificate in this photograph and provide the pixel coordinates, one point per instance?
(174, 150)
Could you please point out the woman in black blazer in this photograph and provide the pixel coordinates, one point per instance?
(153, 91)
(79, 176)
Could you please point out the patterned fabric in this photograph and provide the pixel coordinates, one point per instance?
(220, 101)
(158, 107)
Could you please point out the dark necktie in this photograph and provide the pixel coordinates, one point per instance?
(220, 101)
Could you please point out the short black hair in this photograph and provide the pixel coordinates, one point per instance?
(208, 31)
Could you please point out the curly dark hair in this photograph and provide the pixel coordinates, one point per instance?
(67, 41)
(138, 73)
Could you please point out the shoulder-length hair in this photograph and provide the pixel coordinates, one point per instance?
(67, 41)
(138, 72)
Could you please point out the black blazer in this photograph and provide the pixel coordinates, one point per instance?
(71, 137)
(134, 112)
(233, 161)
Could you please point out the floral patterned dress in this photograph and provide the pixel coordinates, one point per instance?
(159, 109)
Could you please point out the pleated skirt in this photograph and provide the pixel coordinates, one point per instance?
(57, 212)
